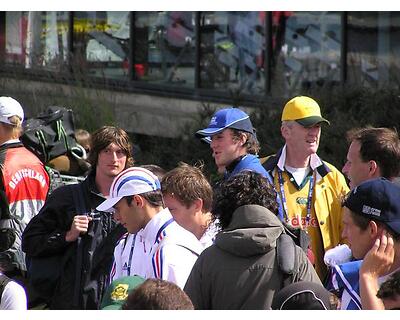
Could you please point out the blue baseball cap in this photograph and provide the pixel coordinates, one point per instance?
(232, 118)
(377, 199)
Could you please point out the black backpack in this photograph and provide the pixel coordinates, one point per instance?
(50, 134)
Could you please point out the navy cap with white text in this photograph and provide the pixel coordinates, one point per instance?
(377, 199)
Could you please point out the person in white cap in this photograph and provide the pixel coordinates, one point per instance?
(168, 251)
(129, 245)
(24, 184)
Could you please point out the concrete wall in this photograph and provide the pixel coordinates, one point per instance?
(136, 113)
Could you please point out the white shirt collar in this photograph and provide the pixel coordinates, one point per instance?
(315, 161)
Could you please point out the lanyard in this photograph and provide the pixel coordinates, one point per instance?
(131, 254)
(283, 198)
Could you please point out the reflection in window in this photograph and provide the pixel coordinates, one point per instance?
(101, 43)
(165, 47)
(306, 50)
(373, 48)
(37, 39)
(232, 49)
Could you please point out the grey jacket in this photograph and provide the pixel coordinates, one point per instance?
(240, 270)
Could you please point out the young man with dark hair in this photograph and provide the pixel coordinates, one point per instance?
(241, 270)
(167, 251)
(372, 228)
(233, 142)
(373, 153)
(84, 241)
(156, 294)
(131, 244)
(188, 195)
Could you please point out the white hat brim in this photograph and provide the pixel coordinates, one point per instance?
(107, 205)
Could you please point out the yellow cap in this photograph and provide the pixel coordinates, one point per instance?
(303, 110)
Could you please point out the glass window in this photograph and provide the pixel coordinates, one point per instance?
(232, 51)
(306, 50)
(101, 43)
(37, 39)
(373, 48)
(16, 27)
(165, 47)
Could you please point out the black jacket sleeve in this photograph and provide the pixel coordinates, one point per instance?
(45, 233)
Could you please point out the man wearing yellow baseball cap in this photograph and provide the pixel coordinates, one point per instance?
(310, 189)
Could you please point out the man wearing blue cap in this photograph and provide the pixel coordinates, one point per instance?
(233, 142)
(372, 227)
(166, 250)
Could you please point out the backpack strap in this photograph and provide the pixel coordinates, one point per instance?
(187, 248)
(79, 200)
(78, 192)
(4, 280)
(286, 256)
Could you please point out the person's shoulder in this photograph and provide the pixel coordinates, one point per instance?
(63, 191)
(335, 173)
(60, 197)
(14, 288)
(266, 158)
(331, 167)
(181, 239)
(269, 162)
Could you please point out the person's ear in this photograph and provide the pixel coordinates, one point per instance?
(243, 139)
(373, 167)
(138, 201)
(284, 131)
(374, 229)
(198, 204)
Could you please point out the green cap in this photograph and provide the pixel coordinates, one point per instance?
(118, 291)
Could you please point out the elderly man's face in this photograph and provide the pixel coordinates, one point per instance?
(304, 139)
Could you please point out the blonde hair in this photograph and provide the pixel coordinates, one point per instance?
(13, 130)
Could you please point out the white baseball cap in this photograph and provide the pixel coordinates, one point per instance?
(130, 182)
(10, 107)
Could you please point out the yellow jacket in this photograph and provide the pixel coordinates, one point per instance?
(330, 188)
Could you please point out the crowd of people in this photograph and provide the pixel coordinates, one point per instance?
(281, 232)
